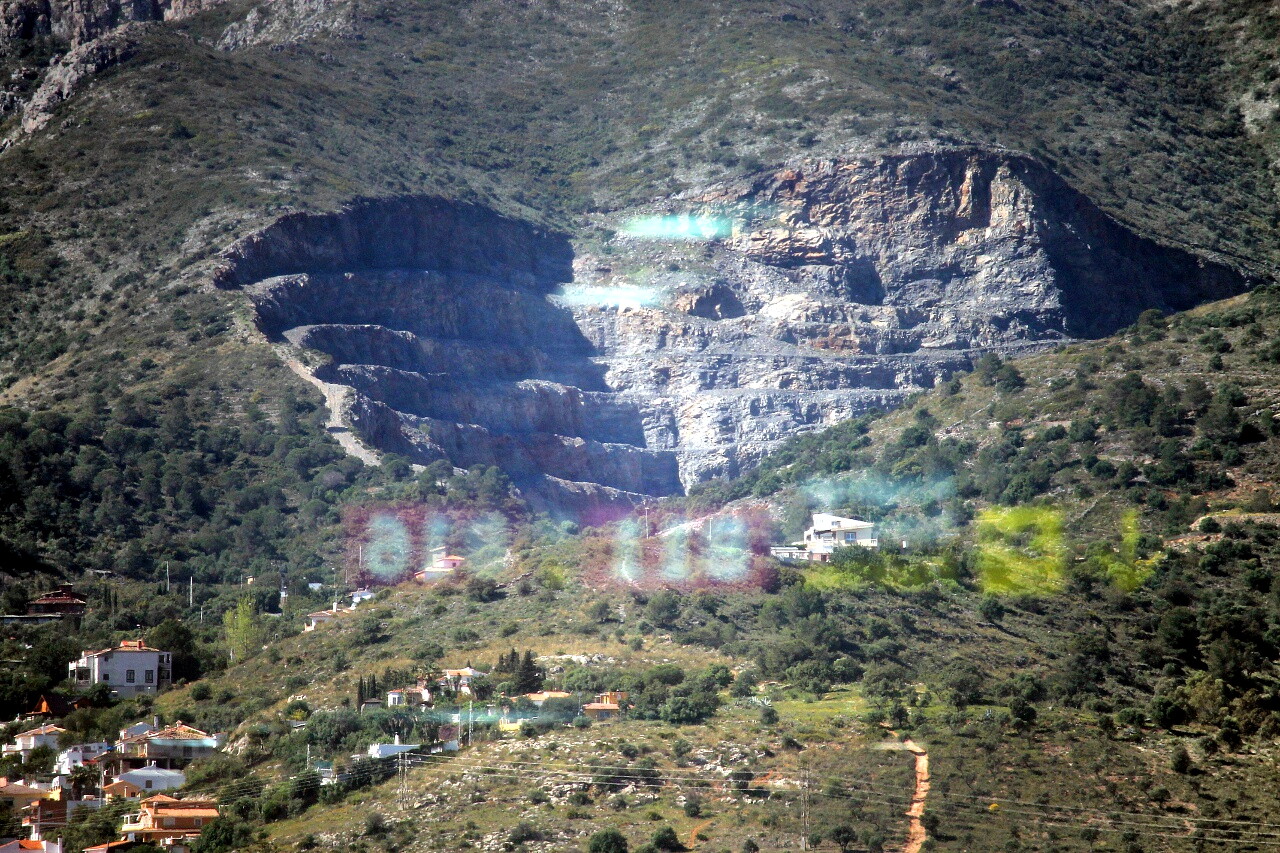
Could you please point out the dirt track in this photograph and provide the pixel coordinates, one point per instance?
(916, 834)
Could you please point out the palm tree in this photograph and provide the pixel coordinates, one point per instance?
(84, 779)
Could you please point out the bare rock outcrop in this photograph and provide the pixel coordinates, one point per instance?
(81, 21)
(655, 362)
(103, 33)
(80, 64)
(285, 21)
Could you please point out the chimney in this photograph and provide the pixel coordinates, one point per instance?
(397, 740)
(155, 721)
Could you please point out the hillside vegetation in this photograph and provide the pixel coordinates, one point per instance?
(1081, 631)
(1082, 626)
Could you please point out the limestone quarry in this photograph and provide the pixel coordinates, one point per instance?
(652, 358)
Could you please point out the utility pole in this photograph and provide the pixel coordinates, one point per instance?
(166, 577)
(191, 591)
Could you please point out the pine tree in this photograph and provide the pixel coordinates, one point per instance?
(529, 676)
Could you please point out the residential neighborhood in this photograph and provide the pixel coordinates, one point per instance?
(146, 763)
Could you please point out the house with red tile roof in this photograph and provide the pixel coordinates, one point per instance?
(63, 601)
(163, 818)
(25, 742)
(171, 748)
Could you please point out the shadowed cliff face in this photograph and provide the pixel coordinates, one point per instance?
(436, 315)
(653, 362)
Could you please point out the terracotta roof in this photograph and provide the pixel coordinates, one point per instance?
(59, 597)
(8, 788)
(47, 729)
(600, 706)
(203, 811)
(125, 646)
(177, 731)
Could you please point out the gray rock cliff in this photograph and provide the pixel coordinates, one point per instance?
(671, 353)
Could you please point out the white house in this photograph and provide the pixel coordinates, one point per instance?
(320, 617)
(441, 559)
(442, 565)
(386, 750)
(827, 533)
(129, 669)
(360, 596)
(25, 742)
(78, 755)
(460, 680)
(152, 778)
(409, 697)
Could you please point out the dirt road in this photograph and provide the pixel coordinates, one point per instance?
(916, 834)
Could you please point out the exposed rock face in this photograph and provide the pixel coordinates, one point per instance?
(965, 247)
(832, 288)
(79, 21)
(80, 64)
(102, 33)
(283, 21)
(438, 316)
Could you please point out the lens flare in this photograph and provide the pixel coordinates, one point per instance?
(1021, 550)
(390, 546)
(675, 556)
(728, 555)
(618, 296)
(682, 227)
(626, 552)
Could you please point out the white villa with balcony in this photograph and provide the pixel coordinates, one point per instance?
(827, 533)
(27, 742)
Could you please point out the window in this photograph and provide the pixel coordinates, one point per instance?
(146, 783)
(186, 752)
(849, 537)
(149, 676)
(106, 676)
(129, 676)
